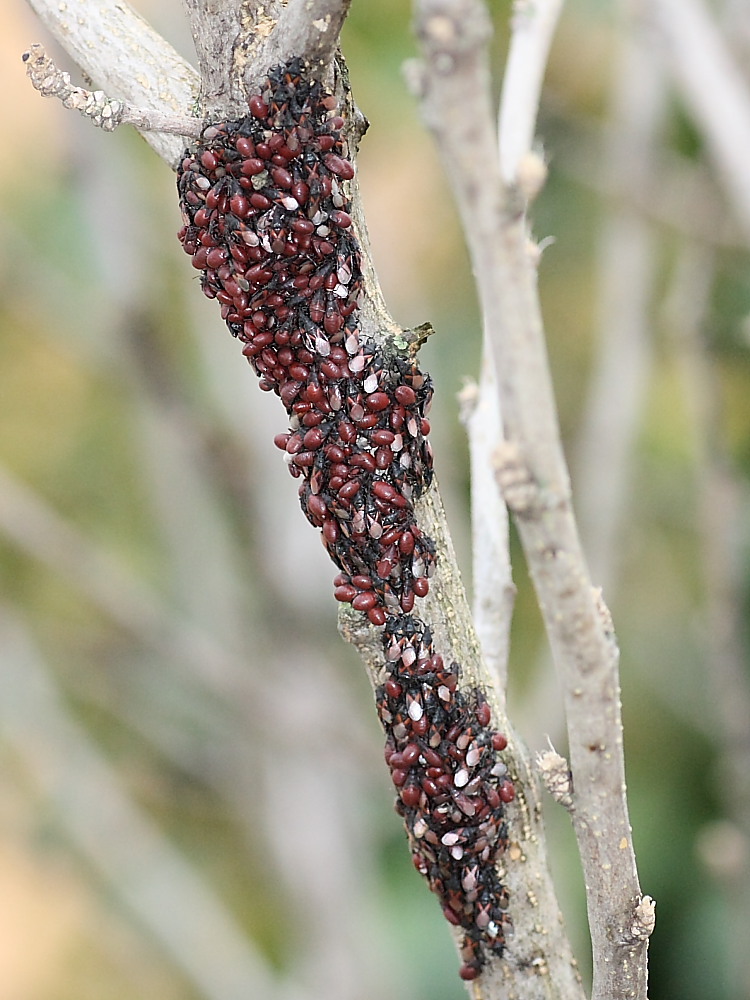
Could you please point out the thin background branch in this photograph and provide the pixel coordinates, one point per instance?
(534, 476)
(42, 533)
(613, 410)
(708, 78)
(494, 590)
(532, 29)
(627, 250)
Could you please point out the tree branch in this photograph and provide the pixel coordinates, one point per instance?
(120, 51)
(308, 29)
(540, 964)
(104, 112)
(534, 481)
(533, 26)
(220, 35)
(494, 590)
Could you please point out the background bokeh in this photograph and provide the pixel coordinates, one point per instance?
(193, 802)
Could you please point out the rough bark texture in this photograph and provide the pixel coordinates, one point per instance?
(120, 52)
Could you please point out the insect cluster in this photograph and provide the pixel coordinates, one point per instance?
(451, 784)
(265, 207)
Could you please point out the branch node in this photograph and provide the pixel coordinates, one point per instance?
(556, 776)
(535, 250)
(518, 487)
(416, 336)
(449, 30)
(644, 919)
(532, 175)
(514, 479)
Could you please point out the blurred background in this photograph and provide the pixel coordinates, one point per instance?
(193, 803)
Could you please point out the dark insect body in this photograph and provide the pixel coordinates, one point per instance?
(451, 785)
(267, 222)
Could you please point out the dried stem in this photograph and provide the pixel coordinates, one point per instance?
(534, 479)
(104, 112)
(128, 59)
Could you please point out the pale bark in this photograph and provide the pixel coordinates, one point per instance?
(494, 590)
(533, 476)
(123, 55)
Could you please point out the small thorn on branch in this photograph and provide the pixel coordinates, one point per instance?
(104, 112)
(556, 777)
(604, 614)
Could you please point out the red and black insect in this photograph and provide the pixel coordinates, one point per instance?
(451, 784)
(268, 224)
